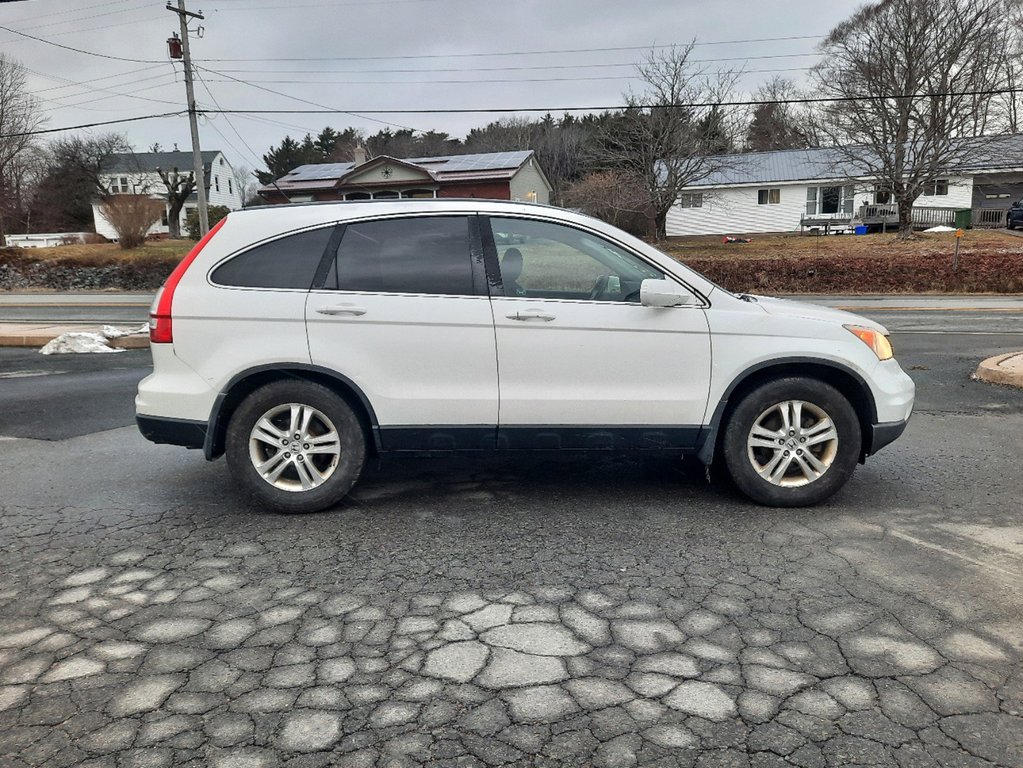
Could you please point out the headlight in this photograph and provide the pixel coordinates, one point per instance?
(876, 340)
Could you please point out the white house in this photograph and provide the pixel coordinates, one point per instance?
(138, 173)
(792, 190)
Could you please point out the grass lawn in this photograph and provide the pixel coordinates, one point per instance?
(938, 244)
(102, 253)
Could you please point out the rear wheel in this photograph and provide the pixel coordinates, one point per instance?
(792, 442)
(295, 446)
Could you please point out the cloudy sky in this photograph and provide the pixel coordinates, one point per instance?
(366, 55)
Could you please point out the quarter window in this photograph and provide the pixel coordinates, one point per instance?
(414, 255)
(540, 260)
(289, 262)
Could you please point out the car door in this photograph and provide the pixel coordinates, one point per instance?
(404, 315)
(582, 363)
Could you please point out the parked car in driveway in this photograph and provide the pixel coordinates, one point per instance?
(300, 339)
(1014, 218)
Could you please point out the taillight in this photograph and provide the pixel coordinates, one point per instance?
(160, 327)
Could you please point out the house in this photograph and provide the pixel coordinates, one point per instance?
(138, 173)
(799, 189)
(494, 175)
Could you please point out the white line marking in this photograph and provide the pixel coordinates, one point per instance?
(953, 553)
(27, 374)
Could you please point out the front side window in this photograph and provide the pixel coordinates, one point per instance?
(541, 260)
(288, 262)
(426, 254)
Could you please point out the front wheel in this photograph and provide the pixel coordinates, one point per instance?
(792, 442)
(295, 446)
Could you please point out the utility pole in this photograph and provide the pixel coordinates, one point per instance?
(200, 177)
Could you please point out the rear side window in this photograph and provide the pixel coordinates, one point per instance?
(413, 255)
(288, 262)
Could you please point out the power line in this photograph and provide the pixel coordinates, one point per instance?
(79, 50)
(41, 131)
(71, 10)
(490, 80)
(521, 53)
(303, 101)
(551, 109)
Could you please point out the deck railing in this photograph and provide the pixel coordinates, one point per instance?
(990, 218)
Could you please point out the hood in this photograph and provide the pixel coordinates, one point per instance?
(806, 311)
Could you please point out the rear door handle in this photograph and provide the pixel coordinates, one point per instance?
(530, 314)
(341, 309)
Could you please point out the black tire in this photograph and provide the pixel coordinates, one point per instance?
(757, 403)
(344, 469)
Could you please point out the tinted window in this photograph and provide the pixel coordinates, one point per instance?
(415, 255)
(289, 262)
(540, 260)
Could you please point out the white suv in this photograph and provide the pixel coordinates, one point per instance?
(299, 339)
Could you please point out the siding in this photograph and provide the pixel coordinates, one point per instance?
(220, 169)
(529, 179)
(731, 210)
(734, 210)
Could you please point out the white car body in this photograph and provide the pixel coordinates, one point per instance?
(498, 371)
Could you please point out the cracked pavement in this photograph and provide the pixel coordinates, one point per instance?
(531, 611)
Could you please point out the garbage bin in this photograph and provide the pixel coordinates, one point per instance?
(963, 218)
(860, 229)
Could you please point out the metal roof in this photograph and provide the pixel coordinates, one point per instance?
(144, 162)
(986, 153)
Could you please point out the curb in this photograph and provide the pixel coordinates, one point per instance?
(1002, 369)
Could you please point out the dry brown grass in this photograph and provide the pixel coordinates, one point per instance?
(974, 241)
(103, 253)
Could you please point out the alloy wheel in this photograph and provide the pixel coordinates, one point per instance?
(294, 447)
(792, 443)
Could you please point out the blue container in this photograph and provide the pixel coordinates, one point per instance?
(860, 230)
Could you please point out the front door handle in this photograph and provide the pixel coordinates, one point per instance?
(342, 309)
(530, 314)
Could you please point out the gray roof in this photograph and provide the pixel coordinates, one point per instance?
(987, 153)
(490, 161)
(144, 162)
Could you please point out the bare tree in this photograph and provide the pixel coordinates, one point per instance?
(179, 188)
(131, 216)
(617, 197)
(909, 78)
(245, 181)
(19, 117)
(672, 135)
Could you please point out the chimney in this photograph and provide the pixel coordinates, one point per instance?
(359, 154)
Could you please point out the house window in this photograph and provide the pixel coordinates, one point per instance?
(936, 187)
(882, 196)
(691, 200)
(119, 185)
(769, 196)
(163, 218)
(216, 183)
(830, 200)
(230, 187)
(221, 161)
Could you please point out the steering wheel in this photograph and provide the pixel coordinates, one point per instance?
(599, 287)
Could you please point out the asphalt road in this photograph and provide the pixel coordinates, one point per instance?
(532, 611)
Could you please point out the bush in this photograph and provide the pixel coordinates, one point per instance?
(215, 213)
(131, 216)
(617, 197)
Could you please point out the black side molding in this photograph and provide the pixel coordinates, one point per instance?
(165, 431)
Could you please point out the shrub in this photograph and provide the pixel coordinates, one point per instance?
(215, 212)
(131, 216)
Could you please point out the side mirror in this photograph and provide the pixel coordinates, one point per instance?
(664, 293)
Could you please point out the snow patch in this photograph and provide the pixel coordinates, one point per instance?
(941, 228)
(113, 332)
(77, 343)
